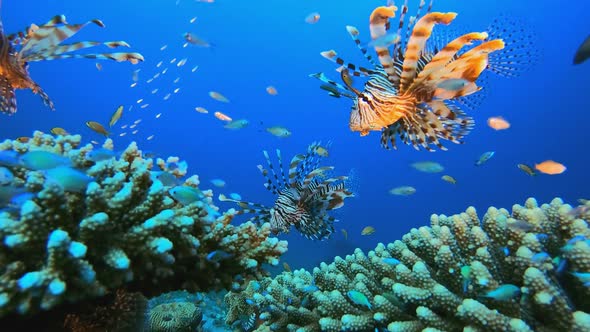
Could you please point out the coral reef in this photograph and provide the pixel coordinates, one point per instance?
(173, 312)
(80, 222)
(525, 271)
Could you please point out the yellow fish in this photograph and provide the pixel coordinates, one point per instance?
(97, 127)
(449, 179)
(368, 230)
(218, 96)
(527, 169)
(116, 116)
(279, 131)
(58, 131)
(321, 151)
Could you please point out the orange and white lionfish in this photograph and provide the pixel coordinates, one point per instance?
(419, 94)
(303, 199)
(44, 42)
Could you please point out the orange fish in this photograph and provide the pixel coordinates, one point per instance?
(312, 18)
(222, 116)
(271, 90)
(550, 167)
(498, 123)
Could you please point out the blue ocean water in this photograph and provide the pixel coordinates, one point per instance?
(262, 43)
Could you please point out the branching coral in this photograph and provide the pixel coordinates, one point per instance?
(124, 228)
(525, 271)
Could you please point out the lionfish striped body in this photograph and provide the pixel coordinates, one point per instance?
(304, 196)
(44, 42)
(403, 95)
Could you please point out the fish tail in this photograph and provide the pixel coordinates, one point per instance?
(521, 50)
(7, 97)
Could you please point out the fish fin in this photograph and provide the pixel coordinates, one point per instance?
(272, 185)
(322, 77)
(379, 26)
(416, 43)
(7, 97)
(46, 100)
(354, 34)
(521, 51)
(352, 68)
(132, 57)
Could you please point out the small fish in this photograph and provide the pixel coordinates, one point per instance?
(122, 134)
(139, 101)
(193, 19)
(390, 261)
(222, 116)
(584, 277)
(321, 151)
(135, 75)
(359, 298)
(550, 167)
(167, 178)
(166, 97)
(176, 80)
(176, 90)
(159, 64)
(23, 139)
(235, 196)
(116, 116)
(218, 255)
(310, 288)
(94, 142)
(194, 69)
(149, 138)
(403, 191)
(527, 169)
(279, 131)
(43, 160)
(498, 123)
(68, 178)
(330, 88)
(181, 63)
(219, 183)
(368, 230)
(163, 47)
(194, 40)
(452, 84)
(186, 195)
(312, 18)
(100, 155)
(144, 105)
(133, 85)
(449, 179)
(58, 131)
(484, 158)
(6, 176)
(97, 127)
(9, 158)
(428, 166)
(218, 96)
(286, 267)
(236, 124)
(98, 66)
(385, 40)
(540, 257)
(271, 90)
(173, 60)
(505, 292)
(201, 110)
(345, 234)
(520, 226)
(583, 52)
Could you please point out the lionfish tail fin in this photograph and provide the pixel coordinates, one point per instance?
(521, 51)
(7, 97)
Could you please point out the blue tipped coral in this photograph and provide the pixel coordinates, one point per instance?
(87, 226)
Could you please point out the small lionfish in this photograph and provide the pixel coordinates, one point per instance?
(39, 43)
(303, 199)
(418, 94)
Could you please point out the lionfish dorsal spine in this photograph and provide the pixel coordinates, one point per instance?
(354, 34)
(379, 26)
(420, 34)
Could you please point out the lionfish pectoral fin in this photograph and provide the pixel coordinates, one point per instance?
(7, 96)
(522, 46)
(46, 100)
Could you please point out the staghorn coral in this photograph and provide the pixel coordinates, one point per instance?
(525, 271)
(126, 229)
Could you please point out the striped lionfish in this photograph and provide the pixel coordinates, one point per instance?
(407, 94)
(39, 43)
(303, 199)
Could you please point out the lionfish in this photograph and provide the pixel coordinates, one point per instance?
(44, 42)
(419, 94)
(304, 196)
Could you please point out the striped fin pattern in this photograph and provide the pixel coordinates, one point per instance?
(7, 96)
(379, 26)
(421, 32)
(304, 196)
(354, 34)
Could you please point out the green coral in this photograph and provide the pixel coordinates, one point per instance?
(445, 277)
(124, 230)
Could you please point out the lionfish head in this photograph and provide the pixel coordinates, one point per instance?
(369, 114)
